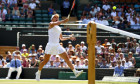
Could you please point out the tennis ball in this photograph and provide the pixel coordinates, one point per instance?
(114, 7)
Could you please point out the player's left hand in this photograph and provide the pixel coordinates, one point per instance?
(72, 38)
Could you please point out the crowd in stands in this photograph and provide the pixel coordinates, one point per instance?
(107, 55)
(122, 17)
(15, 9)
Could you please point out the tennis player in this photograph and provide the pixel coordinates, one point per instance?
(54, 48)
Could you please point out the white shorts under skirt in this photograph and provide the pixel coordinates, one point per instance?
(54, 49)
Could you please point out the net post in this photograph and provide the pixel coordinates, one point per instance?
(91, 41)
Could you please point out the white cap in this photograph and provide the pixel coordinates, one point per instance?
(52, 17)
(77, 60)
(69, 42)
(24, 50)
(82, 42)
(40, 46)
(108, 43)
(23, 45)
(57, 56)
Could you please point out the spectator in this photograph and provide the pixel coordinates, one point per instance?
(98, 47)
(87, 10)
(15, 65)
(92, 12)
(51, 64)
(40, 46)
(25, 62)
(16, 52)
(121, 55)
(104, 64)
(32, 49)
(131, 48)
(9, 16)
(57, 61)
(25, 6)
(121, 25)
(138, 50)
(96, 8)
(112, 57)
(113, 13)
(96, 63)
(70, 49)
(1, 59)
(86, 64)
(29, 13)
(128, 64)
(33, 62)
(51, 9)
(23, 48)
(16, 12)
(41, 58)
(62, 64)
(119, 70)
(77, 65)
(108, 64)
(38, 3)
(106, 6)
(131, 58)
(39, 53)
(83, 47)
(137, 6)
(3, 13)
(135, 44)
(12, 3)
(78, 50)
(32, 5)
(68, 32)
(22, 13)
(66, 7)
(8, 57)
(100, 62)
(74, 60)
(25, 54)
(125, 8)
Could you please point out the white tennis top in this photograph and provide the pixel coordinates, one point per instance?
(54, 34)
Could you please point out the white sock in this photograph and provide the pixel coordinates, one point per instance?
(39, 71)
(74, 70)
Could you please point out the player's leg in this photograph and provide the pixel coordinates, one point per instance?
(46, 59)
(66, 58)
(9, 72)
(19, 70)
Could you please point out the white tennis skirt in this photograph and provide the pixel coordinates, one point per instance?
(54, 49)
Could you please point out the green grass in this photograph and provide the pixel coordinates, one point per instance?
(57, 82)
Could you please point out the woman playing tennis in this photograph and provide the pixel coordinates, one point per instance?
(54, 48)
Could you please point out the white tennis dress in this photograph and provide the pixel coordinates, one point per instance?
(53, 47)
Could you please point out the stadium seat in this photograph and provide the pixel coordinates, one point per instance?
(29, 19)
(58, 11)
(22, 19)
(44, 15)
(38, 19)
(44, 12)
(38, 15)
(37, 11)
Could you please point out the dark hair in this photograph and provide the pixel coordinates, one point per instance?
(1, 57)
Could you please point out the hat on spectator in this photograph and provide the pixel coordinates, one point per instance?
(40, 49)
(108, 43)
(128, 38)
(41, 55)
(77, 60)
(119, 49)
(34, 55)
(33, 45)
(69, 42)
(57, 56)
(40, 46)
(24, 50)
(86, 59)
(17, 55)
(130, 53)
(62, 61)
(73, 57)
(135, 40)
(82, 42)
(111, 54)
(30, 55)
(23, 45)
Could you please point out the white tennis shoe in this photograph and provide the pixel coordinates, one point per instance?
(78, 73)
(38, 76)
